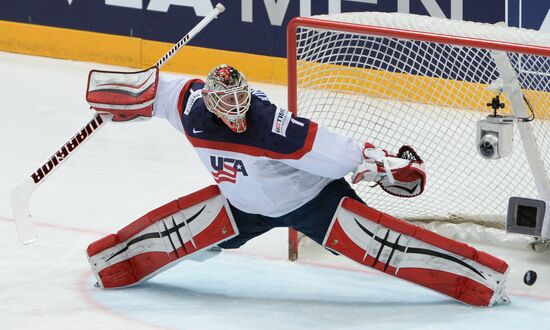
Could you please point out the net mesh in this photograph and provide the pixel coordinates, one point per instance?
(391, 91)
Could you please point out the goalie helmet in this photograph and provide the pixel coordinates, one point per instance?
(226, 94)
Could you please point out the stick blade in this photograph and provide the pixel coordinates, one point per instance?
(21, 212)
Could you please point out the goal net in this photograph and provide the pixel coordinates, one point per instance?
(394, 79)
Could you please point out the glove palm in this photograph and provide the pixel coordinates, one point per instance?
(400, 175)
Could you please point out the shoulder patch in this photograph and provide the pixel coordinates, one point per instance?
(280, 122)
(195, 95)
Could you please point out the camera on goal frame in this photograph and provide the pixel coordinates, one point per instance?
(495, 136)
(495, 139)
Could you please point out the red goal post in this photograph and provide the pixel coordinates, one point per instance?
(332, 78)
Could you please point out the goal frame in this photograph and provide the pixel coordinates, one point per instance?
(372, 30)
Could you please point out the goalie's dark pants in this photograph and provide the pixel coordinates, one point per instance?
(311, 219)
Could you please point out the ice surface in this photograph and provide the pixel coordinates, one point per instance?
(127, 170)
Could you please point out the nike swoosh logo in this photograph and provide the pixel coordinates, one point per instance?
(195, 131)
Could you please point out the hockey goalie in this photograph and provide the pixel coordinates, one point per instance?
(273, 169)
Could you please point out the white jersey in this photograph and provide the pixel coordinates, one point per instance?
(278, 164)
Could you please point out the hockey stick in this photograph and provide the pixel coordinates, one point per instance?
(21, 195)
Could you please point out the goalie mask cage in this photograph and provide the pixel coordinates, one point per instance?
(394, 79)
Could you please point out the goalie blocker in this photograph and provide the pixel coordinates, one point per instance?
(409, 252)
(162, 238)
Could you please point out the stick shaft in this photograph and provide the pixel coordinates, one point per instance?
(194, 31)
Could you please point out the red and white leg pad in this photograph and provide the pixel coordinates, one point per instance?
(161, 238)
(409, 252)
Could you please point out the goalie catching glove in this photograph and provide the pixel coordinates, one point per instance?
(126, 95)
(400, 175)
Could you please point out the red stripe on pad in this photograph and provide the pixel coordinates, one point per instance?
(102, 244)
(219, 229)
(491, 262)
(399, 226)
(444, 243)
(198, 196)
(147, 220)
(132, 270)
(458, 287)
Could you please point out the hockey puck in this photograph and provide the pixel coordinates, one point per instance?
(530, 277)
